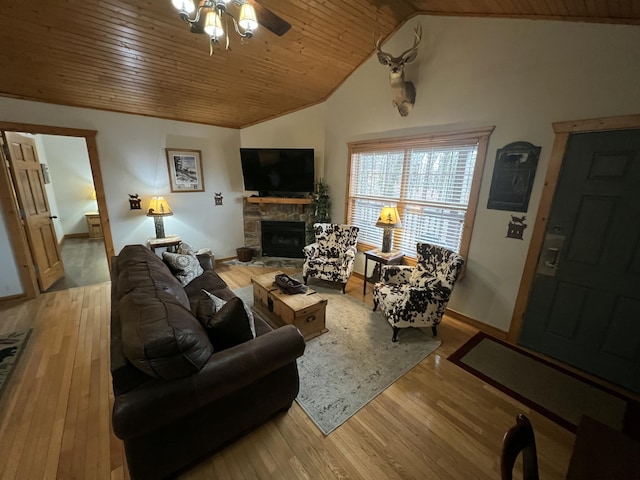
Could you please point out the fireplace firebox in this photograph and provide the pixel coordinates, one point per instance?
(283, 239)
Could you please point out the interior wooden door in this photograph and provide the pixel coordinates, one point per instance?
(584, 306)
(35, 213)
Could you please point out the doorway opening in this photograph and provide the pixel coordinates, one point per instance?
(23, 242)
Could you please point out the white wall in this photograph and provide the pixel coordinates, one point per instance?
(302, 129)
(71, 180)
(519, 75)
(9, 278)
(133, 160)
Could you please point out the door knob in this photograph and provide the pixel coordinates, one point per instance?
(553, 258)
(549, 261)
(53, 216)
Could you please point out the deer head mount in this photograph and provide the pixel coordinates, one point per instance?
(403, 93)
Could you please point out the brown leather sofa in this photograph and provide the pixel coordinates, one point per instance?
(175, 401)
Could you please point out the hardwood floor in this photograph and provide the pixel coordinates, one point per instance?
(85, 263)
(437, 422)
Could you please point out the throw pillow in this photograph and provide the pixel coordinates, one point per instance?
(184, 267)
(228, 326)
(185, 249)
(214, 304)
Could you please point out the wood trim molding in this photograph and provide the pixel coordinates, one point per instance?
(598, 124)
(94, 161)
(12, 216)
(441, 138)
(280, 200)
(493, 331)
(474, 194)
(563, 132)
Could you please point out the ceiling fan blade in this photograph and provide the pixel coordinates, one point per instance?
(270, 20)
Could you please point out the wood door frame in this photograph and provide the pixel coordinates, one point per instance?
(563, 131)
(15, 229)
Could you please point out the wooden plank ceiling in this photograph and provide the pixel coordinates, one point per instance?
(137, 56)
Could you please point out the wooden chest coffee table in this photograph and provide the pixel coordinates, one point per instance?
(304, 310)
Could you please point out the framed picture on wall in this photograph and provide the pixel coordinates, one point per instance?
(185, 170)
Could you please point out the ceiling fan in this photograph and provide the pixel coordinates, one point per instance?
(208, 16)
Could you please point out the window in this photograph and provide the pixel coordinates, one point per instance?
(433, 180)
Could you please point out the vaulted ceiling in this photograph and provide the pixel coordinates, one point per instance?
(137, 56)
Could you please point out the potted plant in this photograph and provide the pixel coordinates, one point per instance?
(321, 204)
(320, 207)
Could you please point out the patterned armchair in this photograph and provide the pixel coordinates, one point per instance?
(417, 296)
(331, 256)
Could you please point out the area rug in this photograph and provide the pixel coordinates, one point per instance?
(347, 367)
(273, 262)
(557, 393)
(11, 346)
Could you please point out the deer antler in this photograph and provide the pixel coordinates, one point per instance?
(418, 33)
(383, 57)
(386, 58)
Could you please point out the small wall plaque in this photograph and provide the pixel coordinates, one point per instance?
(513, 175)
(134, 202)
(516, 227)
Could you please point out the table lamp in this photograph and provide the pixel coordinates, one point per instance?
(388, 219)
(158, 208)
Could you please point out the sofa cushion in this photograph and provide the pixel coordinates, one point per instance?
(227, 326)
(160, 336)
(140, 267)
(185, 267)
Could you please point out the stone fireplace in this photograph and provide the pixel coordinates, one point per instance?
(286, 212)
(283, 239)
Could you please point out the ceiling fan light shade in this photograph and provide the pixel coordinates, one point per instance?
(213, 25)
(184, 5)
(248, 20)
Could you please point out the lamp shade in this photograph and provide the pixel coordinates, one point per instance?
(158, 207)
(213, 24)
(248, 19)
(186, 5)
(389, 218)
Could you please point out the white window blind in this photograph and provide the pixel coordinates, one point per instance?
(430, 182)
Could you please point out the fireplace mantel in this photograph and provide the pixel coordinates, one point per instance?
(280, 200)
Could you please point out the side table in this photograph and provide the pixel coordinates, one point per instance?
(170, 242)
(394, 257)
(93, 224)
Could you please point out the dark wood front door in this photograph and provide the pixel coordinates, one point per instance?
(584, 305)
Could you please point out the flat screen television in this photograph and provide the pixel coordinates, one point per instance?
(278, 171)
